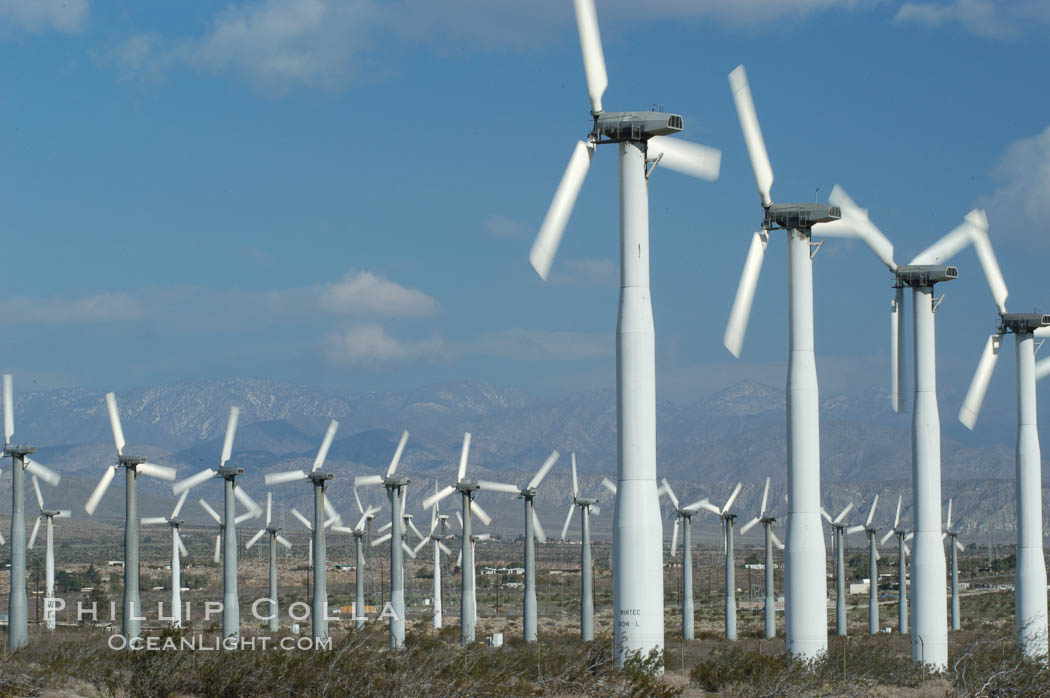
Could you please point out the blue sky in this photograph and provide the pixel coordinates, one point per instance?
(345, 193)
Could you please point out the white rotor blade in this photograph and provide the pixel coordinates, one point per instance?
(948, 522)
(248, 502)
(100, 489)
(463, 454)
(591, 48)
(896, 327)
(397, 454)
(499, 487)
(854, 529)
(459, 558)
(765, 498)
(897, 516)
(959, 546)
(776, 541)
(575, 481)
(178, 542)
(674, 536)
(211, 512)
(537, 528)
(269, 506)
(114, 422)
(32, 536)
(547, 240)
(482, 515)
(871, 512)
(986, 256)
(421, 544)
(947, 247)
(384, 527)
(749, 525)
(9, 409)
(178, 505)
(364, 480)
(283, 541)
(419, 534)
(907, 550)
(64, 514)
(280, 478)
(732, 497)
(438, 496)
(736, 328)
(670, 492)
(705, 504)
(246, 516)
(152, 520)
(825, 514)
(685, 157)
(408, 551)
(443, 547)
(568, 519)
(2, 541)
(254, 539)
(482, 537)
(218, 548)
(1042, 367)
(322, 453)
(909, 536)
(609, 485)
(231, 431)
(302, 519)
(889, 534)
(842, 514)
(192, 481)
(163, 472)
(855, 223)
(381, 539)
(971, 405)
(36, 491)
(544, 469)
(756, 147)
(330, 511)
(595, 510)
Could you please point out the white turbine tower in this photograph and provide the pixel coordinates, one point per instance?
(133, 467)
(588, 507)
(437, 520)
(48, 516)
(684, 516)
(955, 547)
(727, 540)
(642, 137)
(323, 511)
(231, 613)
(838, 527)
(533, 533)
(274, 534)
(805, 593)
(467, 490)
(177, 550)
(359, 532)
(771, 540)
(1030, 605)
(873, 568)
(902, 567)
(17, 610)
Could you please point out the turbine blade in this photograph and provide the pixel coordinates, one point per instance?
(397, 454)
(736, 328)
(178, 541)
(419, 546)
(537, 528)
(178, 504)
(192, 481)
(384, 527)
(365, 480)
(443, 547)
(776, 541)
(248, 502)
(825, 514)
(357, 500)
(281, 478)
(685, 157)
(438, 496)
(544, 469)
(231, 431)
(419, 534)
(152, 520)
(947, 247)
(9, 409)
(897, 516)
(322, 453)
(269, 506)
(749, 525)
(842, 514)
(986, 256)
(896, 326)
(482, 515)
(163, 472)
(553, 227)
(408, 551)
(32, 536)
(871, 512)
(568, 519)
(854, 529)
(756, 146)
(596, 510)
(705, 504)
(1042, 367)
(889, 534)
(100, 489)
(463, 454)
(114, 422)
(948, 523)
(670, 493)
(855, 223)
(254, 539)
(36, 491)
(331, 513)
(959, 546)
(593, 56)
(499, 487)
(211, 512)
(971, 406)
(575, 480)
(302, 519)
(64, 514)
(380, 540)
(42, 471)
(765, 498)
(218, 548)
(609, 485)
(732, 497)
(283, 541)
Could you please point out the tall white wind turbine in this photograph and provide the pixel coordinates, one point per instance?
(771, 540)
(727, 517)
(533, 533)
(902, 566)
(838, 539)
(48, 516)
(133, 467)
(873, 567)
(17, 610)
(437, 520)
(683, 516)
(588, 507)
(642, 137)
(177, 551)
(359, 532)
(274, 534)
(805, 593)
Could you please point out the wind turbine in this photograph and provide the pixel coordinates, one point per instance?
(805, 591)
(533, 532)
(437, 519)
(133, 467)
(467, 490)
(956, 547)
(17, 611)
(177, 548)
(394, 488)
(468, 571)
(684, 516)
(231, 614)
(838, 527)
(587, 508)
(359, 532)
(323, 511)
(274, 533)
(727, 539)
(771, 540)
(1030, 605)
(902, 567)
(642, 137)
(48, 516)
(873, 568)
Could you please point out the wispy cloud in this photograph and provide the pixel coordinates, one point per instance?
(371, 343)
(544, 345)
(364, 293)
(1019, 208)
(988, 18)
(65, 16)
(502, 227)
(586, 273)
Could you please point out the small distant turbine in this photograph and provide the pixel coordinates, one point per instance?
(588, 507)
(48, 516)
(956, 547)
(177, 548)
(727, 539)
(133, 467)
(359, 532)
(873, 567)
(902, 567)
(437, 520)
(684, 517)
(275, 538)
(838, 537)
(771, 540)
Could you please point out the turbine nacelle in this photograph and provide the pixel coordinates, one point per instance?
(798, 216)
(228, 473)
(1021, 323)
(925, 274)
(635, 125)
(18, 450)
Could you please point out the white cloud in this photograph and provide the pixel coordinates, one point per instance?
(368, 344)
(994, 19)
(66, 16)
(365, 293)
(586, 273)
(1019, 208)
(545, 345)
(95, 309)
